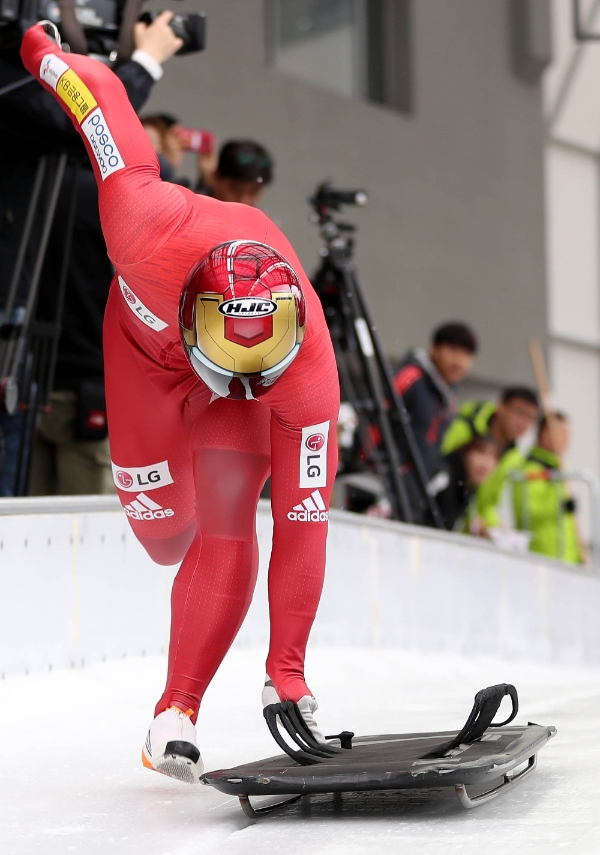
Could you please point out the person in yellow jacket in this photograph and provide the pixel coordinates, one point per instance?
(544, 506)
(506, 422)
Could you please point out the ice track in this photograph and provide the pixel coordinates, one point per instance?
(71, 778)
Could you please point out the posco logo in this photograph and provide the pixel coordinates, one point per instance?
(104, 147)
(247, 307)
(100, 140)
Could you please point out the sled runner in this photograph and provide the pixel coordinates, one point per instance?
(494, 756)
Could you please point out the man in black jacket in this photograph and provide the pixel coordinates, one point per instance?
(71, 453)
(427, 382)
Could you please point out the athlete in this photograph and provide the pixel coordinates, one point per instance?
(219, 371)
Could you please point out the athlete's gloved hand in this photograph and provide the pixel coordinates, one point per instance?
(157, 39)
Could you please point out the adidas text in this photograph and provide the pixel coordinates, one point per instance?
(143, 508)
(312, 509)
(308, 516)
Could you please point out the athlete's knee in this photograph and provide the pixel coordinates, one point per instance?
(228, 484)
(169, 550)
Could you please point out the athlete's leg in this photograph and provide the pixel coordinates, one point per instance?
(149, 444)
(213, 589)
(121, 154)
(189, 474)
(304, 462)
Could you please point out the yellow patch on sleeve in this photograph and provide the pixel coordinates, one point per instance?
(78, 98)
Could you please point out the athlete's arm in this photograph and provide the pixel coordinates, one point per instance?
(131, 194)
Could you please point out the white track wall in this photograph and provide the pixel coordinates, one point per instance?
(78, 588)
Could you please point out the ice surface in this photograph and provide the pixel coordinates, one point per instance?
(71, 778)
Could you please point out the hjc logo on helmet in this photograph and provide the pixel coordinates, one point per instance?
(242, 317)
(247, 307)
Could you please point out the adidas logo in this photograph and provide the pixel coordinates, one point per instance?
(311, 510)
(143, 508)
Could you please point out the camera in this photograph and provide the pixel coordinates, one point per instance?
(328, 198)
(190, 28)
(100, 21)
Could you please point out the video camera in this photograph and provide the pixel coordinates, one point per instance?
(98, 22)
(328, 198)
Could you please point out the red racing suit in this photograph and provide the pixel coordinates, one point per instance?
(189, 468)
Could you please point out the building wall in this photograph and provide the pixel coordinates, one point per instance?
(572, 109)
(455, 224)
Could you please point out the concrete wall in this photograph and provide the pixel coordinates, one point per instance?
(78, 588)
(572, 107)
(455, 226)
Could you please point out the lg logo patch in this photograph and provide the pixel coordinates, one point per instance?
(139, 310)
(123, 479)
(315, 442)
(313, 455)
(142, 477)
(129, 295)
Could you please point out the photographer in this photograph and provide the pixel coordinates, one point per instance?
(71, 454)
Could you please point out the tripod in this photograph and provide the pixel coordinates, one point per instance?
(366, 380)
(29, 347)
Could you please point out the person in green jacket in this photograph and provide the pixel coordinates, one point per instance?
(506, 422)
(543, 506)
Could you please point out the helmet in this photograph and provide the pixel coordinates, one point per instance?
(242, 317)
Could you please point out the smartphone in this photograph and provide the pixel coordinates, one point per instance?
(192, 139)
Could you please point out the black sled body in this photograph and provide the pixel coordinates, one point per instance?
(500, 758)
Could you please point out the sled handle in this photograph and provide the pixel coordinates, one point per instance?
(486, 705)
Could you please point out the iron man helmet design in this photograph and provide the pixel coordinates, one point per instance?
(242, 317)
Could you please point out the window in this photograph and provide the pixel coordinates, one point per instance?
(357, 48)
(317, 41)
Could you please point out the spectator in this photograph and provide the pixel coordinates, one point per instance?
(71, 453)
(427, 382)
(467, 467)
(544, 507)
(506, 422)
(172, 149)
(243, 170)
(159, 135)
